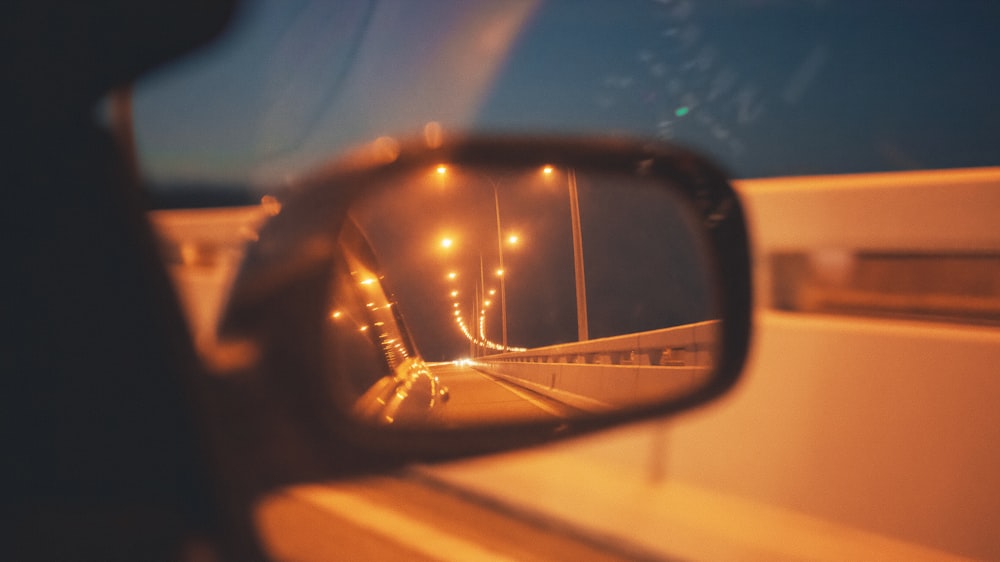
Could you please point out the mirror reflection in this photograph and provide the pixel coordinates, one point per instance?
(474, 295)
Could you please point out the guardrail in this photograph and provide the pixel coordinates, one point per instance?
(607, 373)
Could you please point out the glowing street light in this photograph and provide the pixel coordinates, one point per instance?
(447, 242)
(512, 239)
(452, 275)
(442, 171)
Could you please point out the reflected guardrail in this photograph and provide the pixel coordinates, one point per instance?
(614, 372)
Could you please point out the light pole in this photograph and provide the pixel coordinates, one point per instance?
(581, 286)
(578, 270)
(502, 271)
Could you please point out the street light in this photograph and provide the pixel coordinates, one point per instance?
(448, 243)
(442, 170)
(578, 271)
(476, 344)
(503, 282)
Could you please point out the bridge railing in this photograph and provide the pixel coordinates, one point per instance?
(605, 373)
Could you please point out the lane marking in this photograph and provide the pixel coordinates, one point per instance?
(533, 400)
(392, 525)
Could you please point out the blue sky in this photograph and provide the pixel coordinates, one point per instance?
(766, 88)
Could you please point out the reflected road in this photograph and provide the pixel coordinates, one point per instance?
(476, 396)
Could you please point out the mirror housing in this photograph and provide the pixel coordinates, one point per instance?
(277, 324)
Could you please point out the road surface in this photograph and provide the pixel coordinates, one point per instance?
(477, 396)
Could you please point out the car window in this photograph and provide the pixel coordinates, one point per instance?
(767, 88)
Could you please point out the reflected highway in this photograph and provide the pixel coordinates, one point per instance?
(476, 396)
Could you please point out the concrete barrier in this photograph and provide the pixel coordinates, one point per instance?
(607, 373)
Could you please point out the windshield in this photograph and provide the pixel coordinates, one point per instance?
(766, 88)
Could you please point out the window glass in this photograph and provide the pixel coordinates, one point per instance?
(765, 87)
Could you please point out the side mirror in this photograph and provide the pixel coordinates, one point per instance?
(433, 301)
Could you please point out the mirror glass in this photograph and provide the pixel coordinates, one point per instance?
(468, 296)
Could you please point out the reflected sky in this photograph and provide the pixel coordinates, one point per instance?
(765, 87)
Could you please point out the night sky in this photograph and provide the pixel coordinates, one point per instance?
(766, 87)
